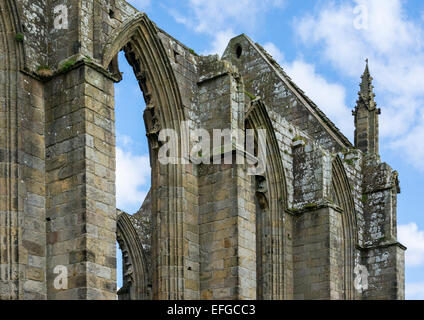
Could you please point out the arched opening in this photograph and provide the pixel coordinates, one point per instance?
(136, 281)
(132, 161)
(271, 202)
(262, 243)
(342, 196)
(139, 39)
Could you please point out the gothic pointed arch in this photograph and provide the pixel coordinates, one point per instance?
(342, 196)
(10, 26)
(135, 267)
(138, 38)
(271, 198)
(11, 61)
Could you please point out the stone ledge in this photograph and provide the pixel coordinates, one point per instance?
(383, 245)
(313, 207)
(86, 62)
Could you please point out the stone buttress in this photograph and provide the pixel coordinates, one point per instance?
(318, 223)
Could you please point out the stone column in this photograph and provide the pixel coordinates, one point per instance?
(382, 255)
(80, 179)
(227, 232)
(318, 231)
(317, 255)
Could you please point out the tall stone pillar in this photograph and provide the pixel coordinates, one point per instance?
(383, 255)
(318, 255)
(22, 159)
(227, 232)
(80, 182)
(318, 242)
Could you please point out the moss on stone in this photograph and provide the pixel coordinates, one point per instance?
(68, 65)
(251, 96)
(20, 37)
(193, 52)
(349, 162)
(293, 210)
(299, 138)
(310, 206)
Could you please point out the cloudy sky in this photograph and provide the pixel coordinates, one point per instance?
(322, 45)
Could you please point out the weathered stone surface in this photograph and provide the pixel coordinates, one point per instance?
(319, 223)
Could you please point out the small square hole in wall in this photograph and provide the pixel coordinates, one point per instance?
(112, 14)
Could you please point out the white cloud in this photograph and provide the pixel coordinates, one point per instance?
(140, 4)
(330, 97)
(413, 238)
(412, 144)
(132, 179)
(414, 291)
(219, 18)
(276, 53)
(394, 45)
(221, 41)
(211, 16)
(123, 140)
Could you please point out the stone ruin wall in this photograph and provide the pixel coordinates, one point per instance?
(57, 178)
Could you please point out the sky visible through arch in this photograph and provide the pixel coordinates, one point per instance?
(322, 46)
(132, 152)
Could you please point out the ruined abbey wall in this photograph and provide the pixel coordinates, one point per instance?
(318, 223)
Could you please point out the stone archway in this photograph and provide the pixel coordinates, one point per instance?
(164, 110)
(271, 199)
(12, 60)
(135, 267)
(342, 196)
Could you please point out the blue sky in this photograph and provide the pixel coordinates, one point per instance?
(322, 45)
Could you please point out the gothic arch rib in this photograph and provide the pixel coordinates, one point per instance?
(142, 34)
(11, 25)
(164, 110)
(130, 243)
(344, 199)
(11, 61)
(146, 54)
(257, 118)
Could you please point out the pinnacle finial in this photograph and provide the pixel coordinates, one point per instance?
(366, 116)
(366, 71)
(366, 87)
